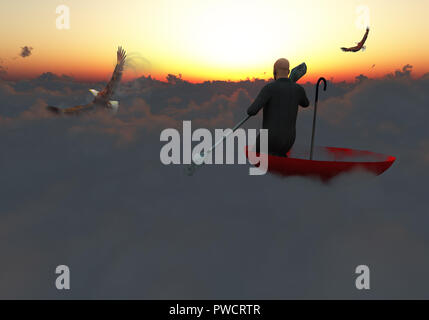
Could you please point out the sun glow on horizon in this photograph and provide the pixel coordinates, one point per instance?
(213, 40)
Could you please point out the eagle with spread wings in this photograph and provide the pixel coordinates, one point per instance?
(102, 98)
(359, 46)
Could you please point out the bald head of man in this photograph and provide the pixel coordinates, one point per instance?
(281, 69)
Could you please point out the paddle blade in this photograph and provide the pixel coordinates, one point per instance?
(298, 72)
(190, 169)
(197, 161)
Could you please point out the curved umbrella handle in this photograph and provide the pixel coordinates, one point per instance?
(315, 113)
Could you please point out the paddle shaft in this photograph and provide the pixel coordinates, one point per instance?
(315, 113)
(227, 135)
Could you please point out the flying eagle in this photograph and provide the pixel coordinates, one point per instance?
(359, 46)
(102, 98)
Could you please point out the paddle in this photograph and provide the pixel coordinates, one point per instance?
(297, 73)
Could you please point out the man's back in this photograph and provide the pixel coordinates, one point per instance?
(280, 100)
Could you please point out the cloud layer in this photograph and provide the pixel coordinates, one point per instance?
(91, 193)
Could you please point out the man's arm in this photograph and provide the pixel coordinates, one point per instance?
(260, 101)
(303, 100)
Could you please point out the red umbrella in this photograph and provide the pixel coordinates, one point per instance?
(340, 160)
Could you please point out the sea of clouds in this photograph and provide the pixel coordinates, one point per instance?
(90, 192)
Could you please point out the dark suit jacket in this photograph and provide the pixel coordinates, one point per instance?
(280, 100)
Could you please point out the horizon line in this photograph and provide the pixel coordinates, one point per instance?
(179, 77)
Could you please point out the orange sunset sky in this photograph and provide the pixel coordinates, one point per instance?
(214, 40)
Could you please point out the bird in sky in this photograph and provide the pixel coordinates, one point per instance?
(359, 46)
(102, 98)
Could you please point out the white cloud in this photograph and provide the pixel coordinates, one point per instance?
(91, 193)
